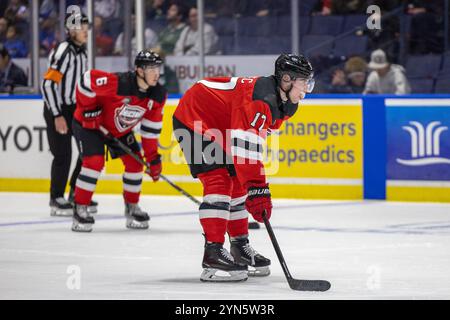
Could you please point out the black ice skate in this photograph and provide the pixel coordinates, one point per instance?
(219, 266)
(60, 207)
(92, 207)
(82, 219)
(136, 218)
(242, 252)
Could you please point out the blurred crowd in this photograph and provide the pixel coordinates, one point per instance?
(172, 28)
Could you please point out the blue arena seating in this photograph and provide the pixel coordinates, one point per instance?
(223, 26)
(313, 45)
(350, 45)
(306, 7)
(421, 85)
(326, 25)
(354, 22)
(445, 71)
(442, 85)
(255, 26)
(282, 25)
(423, 66)
(226, 44)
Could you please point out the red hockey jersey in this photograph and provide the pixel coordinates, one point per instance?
(242, 109)
(122, 105)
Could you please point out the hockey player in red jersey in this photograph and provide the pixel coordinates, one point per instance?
(228, 119)
(118, 102)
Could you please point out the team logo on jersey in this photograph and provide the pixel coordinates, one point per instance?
(127, 116)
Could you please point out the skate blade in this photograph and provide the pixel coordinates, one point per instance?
(82, 227)
(211, 275)
(258, 272)
(55, 212)
(92, 209)
(136, 225)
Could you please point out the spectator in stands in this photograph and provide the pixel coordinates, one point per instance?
(344, 7)
(47, 36)
(322, 8)
(356, 71)
(150, 38)
(168, 77)
(263, 8)
(254, 8)
(17, 11)
(4, 24)
(430, 14)
(107, 9)
(103, 41)
(189, 42)
(214, 9)
(386, 38)
(3, 6)
(15, 46)
(385, 5)
(79, 3)
(157, 9)
(386, 78)
(338, 83)
(168, 37)
(283, 7)
(340, 7)
(48, 9)
(11, 75)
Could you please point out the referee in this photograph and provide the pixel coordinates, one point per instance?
(67, 63)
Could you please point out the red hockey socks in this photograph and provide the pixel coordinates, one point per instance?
(215, 210)
(87, 179)
(238, 222)
(132, 179)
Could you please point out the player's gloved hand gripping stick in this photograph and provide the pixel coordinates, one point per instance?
(146, 165)
(295, 284)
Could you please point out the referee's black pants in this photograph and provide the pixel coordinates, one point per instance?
(61, 149)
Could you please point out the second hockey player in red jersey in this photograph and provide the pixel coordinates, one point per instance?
(221, 124)
(118, 102)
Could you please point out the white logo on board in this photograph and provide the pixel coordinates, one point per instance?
(425, 144)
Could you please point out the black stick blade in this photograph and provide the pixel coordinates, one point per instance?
(309, 285)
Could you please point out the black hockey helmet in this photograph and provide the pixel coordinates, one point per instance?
(147, 58)
(74, 20)
(297, 66)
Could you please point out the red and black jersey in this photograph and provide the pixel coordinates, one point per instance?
(242, 109)
(122, 105)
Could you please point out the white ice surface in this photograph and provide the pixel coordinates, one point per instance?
(367, 250)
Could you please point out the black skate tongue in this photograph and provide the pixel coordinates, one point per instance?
(309, 285)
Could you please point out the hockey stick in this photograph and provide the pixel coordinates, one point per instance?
(141, 161)
(295, 284)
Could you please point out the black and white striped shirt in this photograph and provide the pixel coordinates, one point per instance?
(67, 63)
